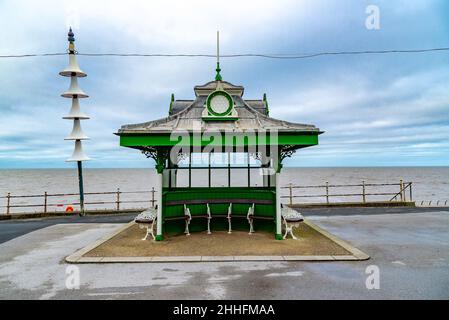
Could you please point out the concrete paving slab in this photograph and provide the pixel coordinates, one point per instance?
(309, 258)
(90, 260)
(217, 258)
(346, 258)
(410, 250)
(176, 259)
(258, 258)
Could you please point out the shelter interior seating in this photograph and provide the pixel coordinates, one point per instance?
(220, 213)
(212, 210)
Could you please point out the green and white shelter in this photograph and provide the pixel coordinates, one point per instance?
(218, 122)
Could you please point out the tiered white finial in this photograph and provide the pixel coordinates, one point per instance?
(75, 93)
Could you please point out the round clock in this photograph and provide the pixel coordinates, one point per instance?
(219, 103)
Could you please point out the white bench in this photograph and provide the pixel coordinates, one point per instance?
(146, 219)
(188, 218)
(291, 219)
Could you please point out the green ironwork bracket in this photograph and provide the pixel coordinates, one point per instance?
(161, 157)
(266, 103)
(218, 75)
(279, 167)
(171, 103)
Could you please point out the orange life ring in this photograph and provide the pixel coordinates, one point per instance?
(69, 209)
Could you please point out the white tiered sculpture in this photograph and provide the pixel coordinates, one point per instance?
(75, 93)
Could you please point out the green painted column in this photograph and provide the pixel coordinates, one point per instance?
(159, 236)
(278, 208)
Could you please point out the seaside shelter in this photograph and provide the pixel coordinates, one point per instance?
(250, 147)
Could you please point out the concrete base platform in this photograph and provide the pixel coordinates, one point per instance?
(127, 240)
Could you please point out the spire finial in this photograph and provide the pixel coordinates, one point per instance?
(71, 35)
(71, 40)
(218, 75)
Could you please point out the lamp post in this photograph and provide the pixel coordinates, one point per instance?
(75, 93)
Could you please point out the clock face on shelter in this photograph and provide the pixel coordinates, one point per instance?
(219, 103)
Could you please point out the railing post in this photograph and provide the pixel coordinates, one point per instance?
(404, 187)
(327, 192)
(45, 202)
(363, 192)
(118, 199)
(401, 189)
(8, 202)
(152, 197)
(291, 193)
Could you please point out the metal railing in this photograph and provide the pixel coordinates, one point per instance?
(116, 200)
(359, 191)
(123, 200)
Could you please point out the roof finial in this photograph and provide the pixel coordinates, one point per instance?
(71, 35)
(218, 75)
(71, 40)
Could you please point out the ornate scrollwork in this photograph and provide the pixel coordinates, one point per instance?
(150, 152)
(160, 155)
(287, 151)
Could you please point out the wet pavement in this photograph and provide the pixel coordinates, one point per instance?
(410, 249)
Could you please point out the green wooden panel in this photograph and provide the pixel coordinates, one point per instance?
(158, 140)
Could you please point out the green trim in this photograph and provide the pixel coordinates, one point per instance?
(171, 103)
(266, 103)
(279, 236)
(219, 93)
(303, 139)
(159, 237)
(218, 75)
(279, 166)
(161, 157)
(173, 199)
(220, 118)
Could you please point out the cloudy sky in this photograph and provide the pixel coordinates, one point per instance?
(377, 110)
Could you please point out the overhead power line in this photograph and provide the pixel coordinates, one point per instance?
(256, 55)
(33, 55)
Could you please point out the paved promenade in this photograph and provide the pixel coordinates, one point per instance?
(410, 248)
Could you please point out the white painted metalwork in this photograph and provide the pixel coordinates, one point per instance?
(291, 219)
(146, 220)
(209, 217)
(78, 153)
(188, 218)
(229, 218)
(250, 218)
(73, 68)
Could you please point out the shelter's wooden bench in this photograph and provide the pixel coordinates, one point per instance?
(228, 213)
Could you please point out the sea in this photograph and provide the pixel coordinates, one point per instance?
(429, 185)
